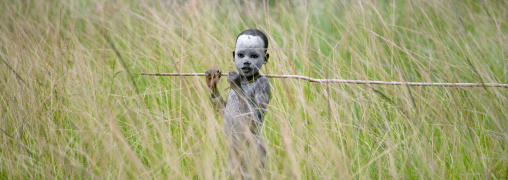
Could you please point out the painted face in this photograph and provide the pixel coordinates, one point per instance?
(249, 55)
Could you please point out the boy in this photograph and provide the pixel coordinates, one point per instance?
(246, 104)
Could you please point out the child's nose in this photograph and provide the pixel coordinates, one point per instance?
(246, 62)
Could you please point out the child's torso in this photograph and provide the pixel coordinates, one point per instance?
(233, 114)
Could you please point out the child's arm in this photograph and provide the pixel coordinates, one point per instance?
(262, 98)
(212, 79)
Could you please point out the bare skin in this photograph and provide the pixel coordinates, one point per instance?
(245, 107)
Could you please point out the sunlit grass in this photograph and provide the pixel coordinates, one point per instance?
(69, 108)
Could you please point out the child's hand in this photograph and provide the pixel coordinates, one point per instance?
(212, 77)
(234, 79)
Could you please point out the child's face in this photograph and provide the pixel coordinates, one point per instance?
(249, 55)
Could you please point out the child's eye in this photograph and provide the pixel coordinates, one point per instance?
(241, 55)
(254, 56)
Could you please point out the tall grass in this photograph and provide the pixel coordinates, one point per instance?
(69, 109)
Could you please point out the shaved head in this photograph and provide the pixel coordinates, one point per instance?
(257, 33)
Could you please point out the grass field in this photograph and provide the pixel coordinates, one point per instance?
(71, 108)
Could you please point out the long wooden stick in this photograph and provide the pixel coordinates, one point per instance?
(348, 81)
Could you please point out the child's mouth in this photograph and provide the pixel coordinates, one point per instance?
(246, 69)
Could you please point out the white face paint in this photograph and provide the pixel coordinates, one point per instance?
(249, 55)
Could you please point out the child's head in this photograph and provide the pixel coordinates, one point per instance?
(250, 52)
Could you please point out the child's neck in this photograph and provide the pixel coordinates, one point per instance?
(247, 80)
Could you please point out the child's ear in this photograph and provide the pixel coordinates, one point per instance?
(233, 56)
(266, 58)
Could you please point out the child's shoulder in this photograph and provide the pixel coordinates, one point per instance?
(263, 80)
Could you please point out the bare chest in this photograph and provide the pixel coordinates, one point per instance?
(233, 102)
